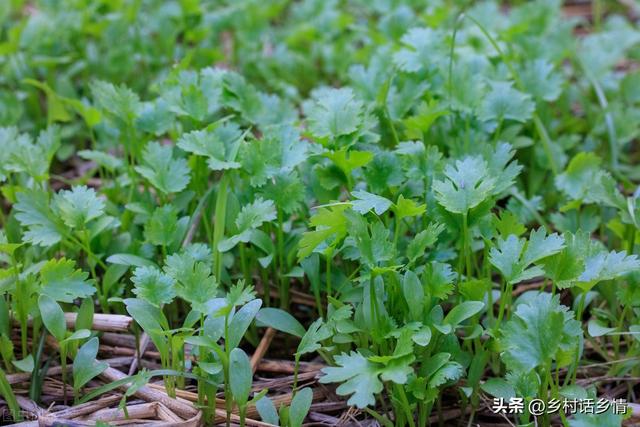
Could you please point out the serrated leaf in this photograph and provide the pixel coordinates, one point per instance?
(33, 212)
(78, 206)
(153, 286)
(505, 103)
(165, 173)
(329, 223)
(193, 277)
(467, 184)
(334, 112)
(218, 145)
(515, 261)
(366, 202)
(539, 330)
(61, 281)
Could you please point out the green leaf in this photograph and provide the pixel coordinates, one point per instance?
(362, 378)
(540, 329)
(505, 103)
(514, 257)
(300, 407)
(194, 281)
(333, 112)
(27, 157)
(25, 365)
(413, 292)
(85, 365)
(607, 266)
(61, 281)
(540, 80)
(366, 202)
(33, 211)
(462, 312)
(407, 208)
(498, 387)
(467, 185)
(359, 377)
(424, 239)
(130, 260)
(240, 376)
(218, 145)
(80, 334)
(597, 329)
(241, 321)
(423, 46)
(153, 286)
(150, 318)
(267, 411)
(162, 227)
(312, 338)
(371, 240)
(165, 173)
(78, 206)
(52, 317)
(280, 320)
(106, 160)
(286, 190)
(329, 223)
(250, 218)
(119, 101)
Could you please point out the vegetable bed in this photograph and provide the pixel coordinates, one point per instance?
(319, 212)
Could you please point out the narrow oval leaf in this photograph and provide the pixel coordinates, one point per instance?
(52, 317)
(462, 312)
(85, 365)
(280, 320)
(267, 411)
(240, 376)
(300, 407)
(241, 321)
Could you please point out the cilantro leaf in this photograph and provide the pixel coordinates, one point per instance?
(467, 184)
(423, 45)
(61, 281)
(167, 174)
(359, 376)
(250, 218)
(514, 256)
(218, 145)
(505, 103)
(33, 212)
(163, 228)
(366, 202)
(334, 112)
(194, 281)
(329, 223)
(78, 206)
(151, 285)
(120, 101)
(540, 331)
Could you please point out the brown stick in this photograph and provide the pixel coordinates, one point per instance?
(103, 322)
(143, 410)
(57, 370)
(262, 348)
(180, 407)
